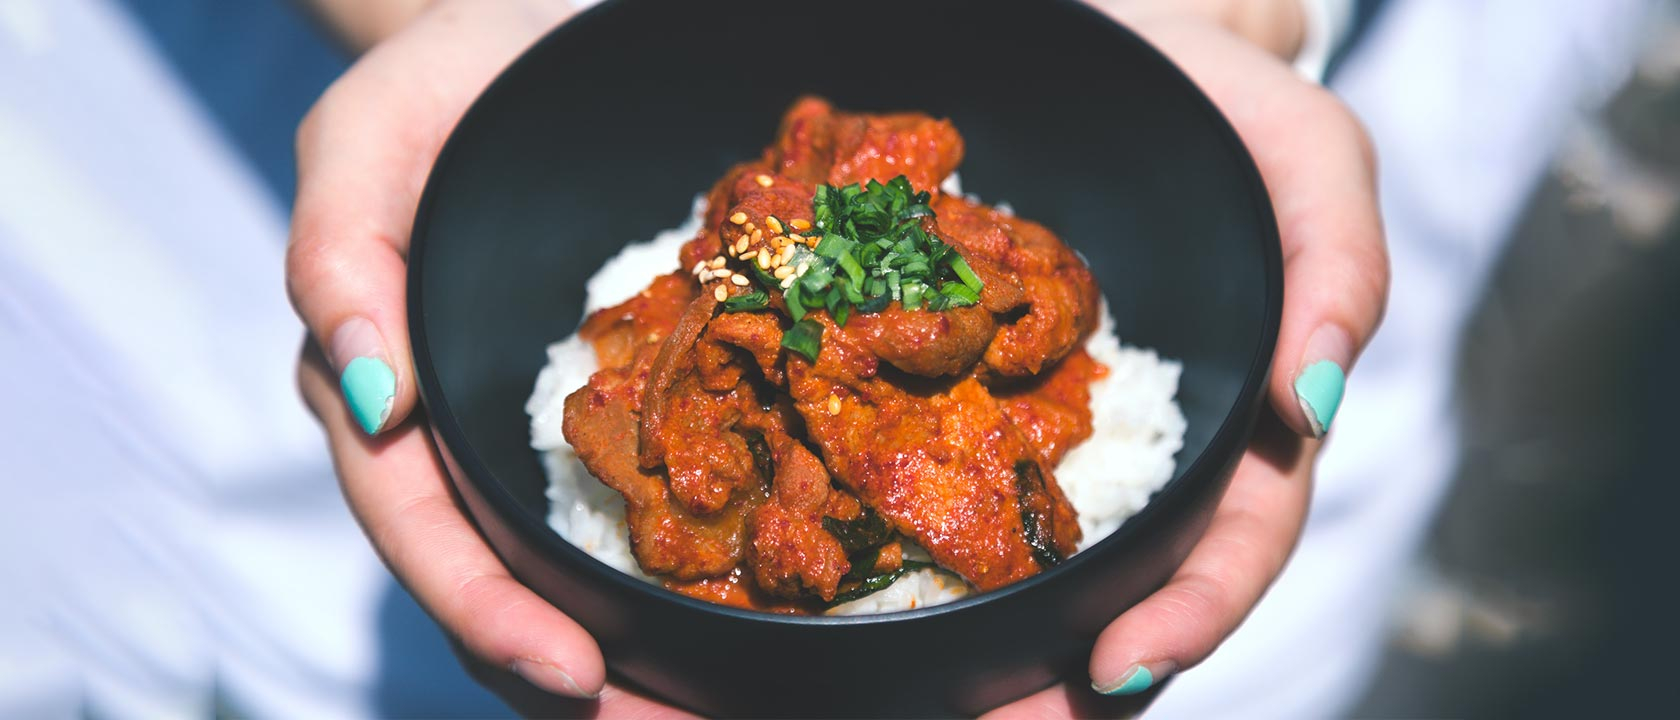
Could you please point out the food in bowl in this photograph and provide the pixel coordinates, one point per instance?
(857, 390)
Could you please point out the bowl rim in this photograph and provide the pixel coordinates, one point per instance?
(447, 430)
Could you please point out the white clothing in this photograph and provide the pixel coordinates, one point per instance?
(169, 523)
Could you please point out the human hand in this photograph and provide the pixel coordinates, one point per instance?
(1319, 169)
(364, 153)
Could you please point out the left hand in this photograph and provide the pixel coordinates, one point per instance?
(1318, 167)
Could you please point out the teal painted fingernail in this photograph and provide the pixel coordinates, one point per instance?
(1319, 388)
(1136, 680)
(369, 387)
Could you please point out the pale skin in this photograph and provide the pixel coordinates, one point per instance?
(363, 155)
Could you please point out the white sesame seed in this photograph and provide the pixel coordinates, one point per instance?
(774, 224)
(739, 280)
(721, 293)
(800, 271)
(787, 282)
(784, 272)
(765, 181)
(718, 262)
(799, 224)
(833, 404)
(738, 218)
(764, 261)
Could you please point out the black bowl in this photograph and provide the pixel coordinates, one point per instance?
(603, 132)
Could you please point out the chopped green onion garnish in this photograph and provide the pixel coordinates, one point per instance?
(755, 300)
(873, 252)
(805, 338)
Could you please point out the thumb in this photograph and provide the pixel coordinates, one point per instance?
(345, 268)
(364, 152)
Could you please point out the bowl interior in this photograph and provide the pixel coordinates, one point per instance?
(604, 132)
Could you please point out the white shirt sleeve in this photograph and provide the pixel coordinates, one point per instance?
(1328, 23)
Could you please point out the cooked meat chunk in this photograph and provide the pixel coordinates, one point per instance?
(936, 459)
(1060, 294)
(666, 538)
(620, 332)
(759, 334)
(817, 144)
(1053, 409)
(926, 343)
(791, 554)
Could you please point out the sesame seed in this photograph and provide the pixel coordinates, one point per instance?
(741, 246)
(784, 272)
(800, 224)
(774, 224)
(749, 255)
(738, 218)
(705, 276)
(765, 181)
(749, 227)
(758, 236)
(718, 262)
(764, 261)
(721, 293)
(800, 271)
(787, 282)
(698, 267)
(833, 404)
(794, 237)
(738, 280)
(652, 338)
(725, 272)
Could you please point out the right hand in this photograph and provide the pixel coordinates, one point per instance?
(364, 152)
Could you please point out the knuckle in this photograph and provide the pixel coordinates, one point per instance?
(308, 263)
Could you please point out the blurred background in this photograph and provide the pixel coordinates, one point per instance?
(151, 139)
(1540, 592)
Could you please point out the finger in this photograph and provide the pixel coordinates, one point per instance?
(1277, 26)
(1251, 535)
(1319, 169)
(400, 495)
(529, 701)
(364, 152)
(1076, 700)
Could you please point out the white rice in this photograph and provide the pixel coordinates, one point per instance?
(1137, 429)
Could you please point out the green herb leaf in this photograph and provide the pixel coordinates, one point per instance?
(875, 583)
(1029, 480)
(865, 531)
(755, 300)
(805, 338)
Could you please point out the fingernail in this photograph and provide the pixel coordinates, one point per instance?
(550, 678)
(1323, 376)
(1137, 678)
(365, 376)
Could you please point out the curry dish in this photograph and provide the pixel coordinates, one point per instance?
(853, 375)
